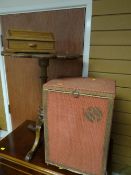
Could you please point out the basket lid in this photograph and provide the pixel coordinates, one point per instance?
(90, 86)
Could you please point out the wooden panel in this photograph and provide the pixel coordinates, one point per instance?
(117, 167)
(111, 66)
(59, 22)
(110, 59)
(24, 89)
(23, 74)
(121, 117)
(111, 52)
(123, 93)
(122, 150)
(121, 129)
(111, 22)
(68, 68)
(123, 106)
(121, 159)
(2, 109)
(121, 140)
(7, 169)
(111, 38)
(103, 7)
(121, 79)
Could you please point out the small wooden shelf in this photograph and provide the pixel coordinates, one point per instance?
(43, 55)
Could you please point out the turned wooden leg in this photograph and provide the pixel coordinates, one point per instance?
(39, 124)
(43, 63)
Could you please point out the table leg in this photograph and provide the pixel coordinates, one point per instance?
(43, 63)
(30, 154)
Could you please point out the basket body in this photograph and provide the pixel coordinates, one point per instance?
(77, 124)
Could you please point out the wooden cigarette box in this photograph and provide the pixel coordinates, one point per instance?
(78, 117)
(19, 41)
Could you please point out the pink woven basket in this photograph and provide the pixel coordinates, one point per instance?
(78, 122)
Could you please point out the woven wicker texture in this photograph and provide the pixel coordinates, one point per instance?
(99, 85)
(76, 128)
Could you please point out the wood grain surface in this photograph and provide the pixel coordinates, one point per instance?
(16, 147)
(23, 74)
(111, 57)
